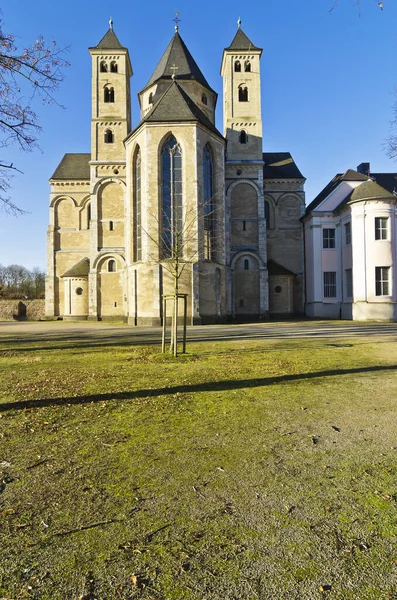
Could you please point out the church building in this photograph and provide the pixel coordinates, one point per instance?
(173, 198)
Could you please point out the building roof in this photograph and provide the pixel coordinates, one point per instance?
(73, 166)
(176, 106)
(387, 184)
(274, 268)
(242, 42)
(280, 165)
(80, 269)
(110, 41)
(177, 54)
(370, 190)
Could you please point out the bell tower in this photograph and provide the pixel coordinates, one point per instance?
(111, 98)
(242, 98)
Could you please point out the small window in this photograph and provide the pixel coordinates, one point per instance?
(204, 99)
(111, 226)
(278, 289)
(243, 139)
(111, 266)
(109, 137)
(381, 228)
(382, 281)
(115, 305)
(241, 302)
(267, 214)
(246, 264)
(329, 284)
(349, 283)
(150, 98)
(237, 66)
(89, 215)
(348, 234)
(244, 225)
(79, 291)
(113, 67)
(247, 67)
(108, 94)
(103, 67)
(243, 94)
(328, 238)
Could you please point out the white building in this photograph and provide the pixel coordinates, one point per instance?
(351, 247)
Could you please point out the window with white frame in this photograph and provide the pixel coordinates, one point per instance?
(349, 283)
(329, 284)
(381, 228)
(328, 238)
(348, 234)
(382, 281)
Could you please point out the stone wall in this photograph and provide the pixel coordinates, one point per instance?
(11, 310)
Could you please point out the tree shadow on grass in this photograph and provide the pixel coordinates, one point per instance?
(211, 386)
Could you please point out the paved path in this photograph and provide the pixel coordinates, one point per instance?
(100, 333)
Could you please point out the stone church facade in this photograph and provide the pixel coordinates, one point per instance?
(175, 188)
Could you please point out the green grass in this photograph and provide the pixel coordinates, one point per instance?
(242, 470)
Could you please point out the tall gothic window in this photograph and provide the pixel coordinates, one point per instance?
(208, 184)
(137, 206)
(243, 93)
(171, 199)
(108, 94)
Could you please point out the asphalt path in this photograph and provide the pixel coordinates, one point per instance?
(102, 333)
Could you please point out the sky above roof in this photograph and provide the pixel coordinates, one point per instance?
(328, 85)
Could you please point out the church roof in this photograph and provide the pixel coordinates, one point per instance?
(280, 165)
(177, 54)
(176, 106)
(242, 42)
(73, 166)
(110, 41)
(274, 268)
(80, 269)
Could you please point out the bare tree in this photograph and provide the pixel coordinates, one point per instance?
(358, 3)
(27, 75)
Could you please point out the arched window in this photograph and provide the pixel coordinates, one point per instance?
(150, 98)
(246, 264)
(208, 184)
(103, 68)
(243, 137)
(111, 266)
(267, 214)
(237, 66)
(113, 67)
(171, 199)
(108, 94)
(204, 99)
(109, 137)
(247, 66)
(243, 93)
(137, 206)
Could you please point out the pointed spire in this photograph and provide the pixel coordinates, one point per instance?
(241, 41)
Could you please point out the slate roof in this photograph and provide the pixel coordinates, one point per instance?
(275, 268)
(177, 54)
(242, 42)
(387, 183)
(280, 165)
(73, 166)
(110, 41)
(80, 269)
(176, 106)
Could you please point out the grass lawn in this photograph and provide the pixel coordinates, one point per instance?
(243, 470)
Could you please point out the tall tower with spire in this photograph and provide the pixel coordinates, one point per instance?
(246, 250)
(111, 99)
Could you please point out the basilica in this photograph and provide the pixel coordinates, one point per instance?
(175, 200)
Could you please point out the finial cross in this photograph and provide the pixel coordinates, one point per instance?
(176, 20)
(173, 69)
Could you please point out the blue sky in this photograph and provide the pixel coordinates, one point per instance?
(328, 84)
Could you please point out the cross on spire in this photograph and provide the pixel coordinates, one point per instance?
(173, 69)
(177, 20)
